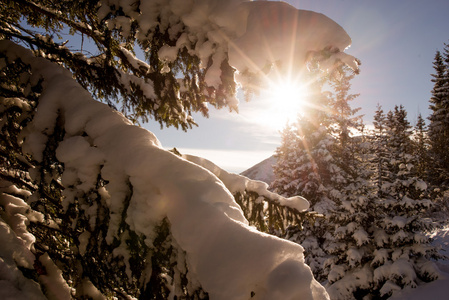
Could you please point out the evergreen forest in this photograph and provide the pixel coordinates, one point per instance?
(375, 192)
(93, 207)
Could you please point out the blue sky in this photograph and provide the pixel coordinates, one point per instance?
(396, 41)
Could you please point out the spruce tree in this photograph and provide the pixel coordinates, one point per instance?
(327, 167)
(439, 122)
(286, 162)
(345, 118)
(421, 148)
(310, 173)
(399, 227)
(379, 148)
(310, 139)
(399, 144)
(349, 223)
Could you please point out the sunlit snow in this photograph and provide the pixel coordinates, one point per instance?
(228, 257)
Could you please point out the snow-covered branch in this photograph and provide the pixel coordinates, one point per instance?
(125, 195)
(266, 210)
(198, 52)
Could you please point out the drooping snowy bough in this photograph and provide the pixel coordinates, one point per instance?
(91, 205)
(195, 50)
(121, 190)
(265, 210)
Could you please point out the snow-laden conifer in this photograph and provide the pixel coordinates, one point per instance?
(439, 122)
(93, 203)
(371, 239)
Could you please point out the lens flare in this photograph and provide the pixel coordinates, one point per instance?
(285, 99)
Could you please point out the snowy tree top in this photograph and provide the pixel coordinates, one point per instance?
(196, 52)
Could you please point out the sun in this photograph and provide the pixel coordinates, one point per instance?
(285, 100)
(280, 100)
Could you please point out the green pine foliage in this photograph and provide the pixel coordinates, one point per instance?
(421, 148)
(400, 225)
(379, 148)
(166, 91)
(439, 120)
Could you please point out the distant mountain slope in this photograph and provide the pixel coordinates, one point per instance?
(263, 171)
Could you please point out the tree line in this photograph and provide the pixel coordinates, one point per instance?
(378, 190)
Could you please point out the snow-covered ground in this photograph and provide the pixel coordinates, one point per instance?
(438, 289)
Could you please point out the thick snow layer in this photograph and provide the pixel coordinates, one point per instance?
(55, 285)
(230, 259)
(15, 248)
(238, 183)
(252, 35)
(438, 289)
(358, 277)
(276, 31)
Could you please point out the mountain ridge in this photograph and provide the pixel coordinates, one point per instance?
(262, 171)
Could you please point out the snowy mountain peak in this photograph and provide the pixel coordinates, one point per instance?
(262, 171)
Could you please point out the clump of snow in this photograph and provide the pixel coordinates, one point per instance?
(55, 285)
(388, 288)
(17, 240)
(86, 288)
(380, 257)
(361, 236)
(354, 256)
(13, 285)
(134, 61)
(286, 34)
(401, 268)
(337, 272)
(421, 185)
(380, 237)
(84, 240)
(358, 277)
(230, 259)
(398, 221)
(81, 160)
(239, 184)
(249, 35)
(15, 250)
(281, 283)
